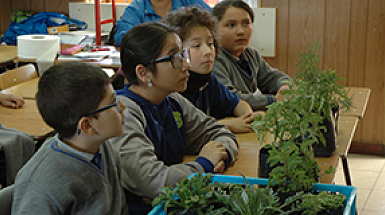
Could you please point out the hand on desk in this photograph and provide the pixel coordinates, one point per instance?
(11, 100)
(241, 124)
(281, 90)
(216, 153)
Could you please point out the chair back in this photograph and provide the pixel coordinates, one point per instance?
(6, 198)
(17, 75)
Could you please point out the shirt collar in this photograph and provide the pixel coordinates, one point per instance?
(84, 155)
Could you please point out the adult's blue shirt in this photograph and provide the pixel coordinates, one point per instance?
(215, 99)
(140, 11)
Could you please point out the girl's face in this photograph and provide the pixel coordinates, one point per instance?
(236, 29)
(169, 79)
(202, 51)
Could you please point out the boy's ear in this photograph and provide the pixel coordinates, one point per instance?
(142, 73)
(85, 126)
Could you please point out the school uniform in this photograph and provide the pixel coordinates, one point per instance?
(141, 11)
(156, 138)
(249, 76)
(210, 96)
(61, 180)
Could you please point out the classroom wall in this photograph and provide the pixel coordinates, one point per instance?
(353, 34)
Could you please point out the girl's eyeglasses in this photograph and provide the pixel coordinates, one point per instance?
(176, 59)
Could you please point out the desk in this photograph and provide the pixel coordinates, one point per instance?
(345, 138)
(26, 119)
(27, 89)
(359, 102)
(248, 156)
(105, 63)
(7, 53)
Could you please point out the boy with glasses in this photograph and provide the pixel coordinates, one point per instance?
(77, 171)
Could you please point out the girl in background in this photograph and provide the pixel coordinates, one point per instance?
(239, 67)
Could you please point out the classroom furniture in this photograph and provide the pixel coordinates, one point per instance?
(17, 75)
(248, 155)
(26, 90)
(360, 99)
(27, 119)
(113, 63)
(7, 53)
(98, 21)
(345, 138)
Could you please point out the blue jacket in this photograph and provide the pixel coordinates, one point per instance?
(215, 99)
(140, 11)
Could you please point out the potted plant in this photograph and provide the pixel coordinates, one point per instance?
(299, 124)
(197, 195)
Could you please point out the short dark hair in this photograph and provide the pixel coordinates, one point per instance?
(142, 44)
(67, 91)
(185, 19)
(220, 9)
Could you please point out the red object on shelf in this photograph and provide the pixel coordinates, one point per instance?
(99, 23)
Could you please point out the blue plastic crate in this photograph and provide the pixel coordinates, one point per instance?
(349, 192)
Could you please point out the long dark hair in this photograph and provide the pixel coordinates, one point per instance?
(220, 9)
(140, 45)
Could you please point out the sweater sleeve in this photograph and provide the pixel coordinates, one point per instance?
(142, 173)
(29, 198)
(200, 129)
(267, 79)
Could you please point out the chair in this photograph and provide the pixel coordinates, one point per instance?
(17, 75)
(6, 198)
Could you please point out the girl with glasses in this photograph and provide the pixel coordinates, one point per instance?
(160, 125)
(239, 67)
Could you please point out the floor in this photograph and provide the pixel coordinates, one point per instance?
(368, 175)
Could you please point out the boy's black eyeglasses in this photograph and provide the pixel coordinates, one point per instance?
(176, 59)
(105, 107)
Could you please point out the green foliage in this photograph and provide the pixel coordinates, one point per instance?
(192, 194)
(310, 203)
(248, 200)
(295, 123)
(322, 83)
(200, 195)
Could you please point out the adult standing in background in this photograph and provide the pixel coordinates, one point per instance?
(140, 11)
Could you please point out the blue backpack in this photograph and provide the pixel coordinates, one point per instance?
(38, 24)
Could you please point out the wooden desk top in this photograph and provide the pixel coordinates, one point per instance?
(346, 128)
(27, 119)
(359, 102)
(7, 53)
(27, 89)
(248, 156)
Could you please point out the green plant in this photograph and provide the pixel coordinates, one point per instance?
(201, 196)
(296, 124)
(193, 194)
(310, 203)
(248, 200)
